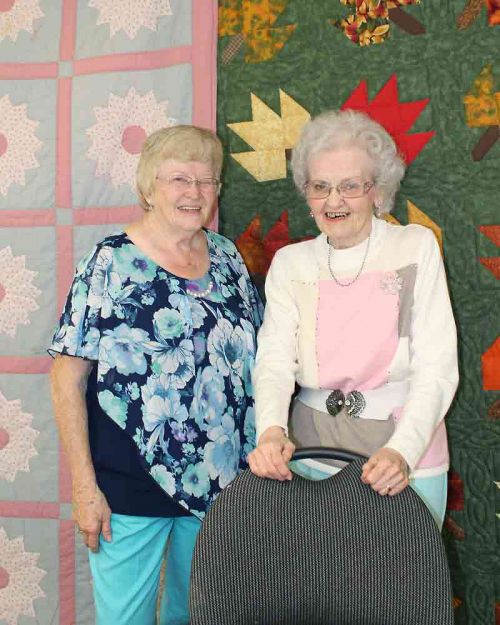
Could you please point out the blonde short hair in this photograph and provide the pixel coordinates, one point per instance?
(182, 143)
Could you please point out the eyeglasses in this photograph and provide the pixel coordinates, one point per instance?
(183, 183)
(350, 188)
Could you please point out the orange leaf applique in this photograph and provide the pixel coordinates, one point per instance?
(370, 22)
(493, 12)
(492, 263)
(258, 251)
(491, 367)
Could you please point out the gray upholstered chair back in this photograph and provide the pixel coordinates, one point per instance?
(318, 552)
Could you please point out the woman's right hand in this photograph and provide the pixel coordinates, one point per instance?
(271, 456)
(92, 515)
(91, 512)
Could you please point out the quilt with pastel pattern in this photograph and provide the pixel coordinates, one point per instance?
(82, 82)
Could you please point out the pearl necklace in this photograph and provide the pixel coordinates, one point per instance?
(330, 247)
(199, 294)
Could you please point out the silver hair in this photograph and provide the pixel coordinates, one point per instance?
(339, 129)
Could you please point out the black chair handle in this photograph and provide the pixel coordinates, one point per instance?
(330, 453)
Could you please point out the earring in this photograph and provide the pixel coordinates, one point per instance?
(311, 214)
(376, 209)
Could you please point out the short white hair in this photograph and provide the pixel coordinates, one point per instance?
(339, 129)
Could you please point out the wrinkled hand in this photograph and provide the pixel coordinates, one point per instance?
(92, 515)
(386, 472)
(272, 455)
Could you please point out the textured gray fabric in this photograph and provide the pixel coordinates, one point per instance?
(310, 428)
(326, 552)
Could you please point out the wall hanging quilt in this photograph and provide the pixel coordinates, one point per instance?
(429, 72)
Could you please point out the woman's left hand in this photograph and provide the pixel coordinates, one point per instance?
(386, 472)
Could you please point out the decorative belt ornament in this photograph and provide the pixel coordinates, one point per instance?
(354, 403)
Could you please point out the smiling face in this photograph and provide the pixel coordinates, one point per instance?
(183, 210)
(346, 221)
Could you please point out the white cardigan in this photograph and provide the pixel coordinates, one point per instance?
(311, 326)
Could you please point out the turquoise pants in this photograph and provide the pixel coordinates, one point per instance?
(432, 490)
(126, 571)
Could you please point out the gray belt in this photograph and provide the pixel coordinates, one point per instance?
(374, 404)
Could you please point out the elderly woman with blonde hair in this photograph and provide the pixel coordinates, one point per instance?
(151, 381)
(360, 319)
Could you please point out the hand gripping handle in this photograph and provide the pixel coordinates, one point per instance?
(329, 453)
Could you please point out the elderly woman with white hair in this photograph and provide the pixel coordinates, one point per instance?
(360, 319)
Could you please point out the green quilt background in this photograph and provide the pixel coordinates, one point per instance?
(319, 68)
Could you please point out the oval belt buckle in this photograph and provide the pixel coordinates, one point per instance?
(355, 403)
(335, 402)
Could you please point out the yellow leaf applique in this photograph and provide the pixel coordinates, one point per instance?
(416, 216)
(270, 136)
(252, 22)
(482, 103)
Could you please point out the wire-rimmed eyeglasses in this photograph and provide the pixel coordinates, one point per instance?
(182, 183)
(349, 188)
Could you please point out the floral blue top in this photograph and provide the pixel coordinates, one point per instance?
(174, 360)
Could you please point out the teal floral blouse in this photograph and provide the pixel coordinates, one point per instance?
(173, 369)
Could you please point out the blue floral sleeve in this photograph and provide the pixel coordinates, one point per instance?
(78, 333)
(247, 288)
